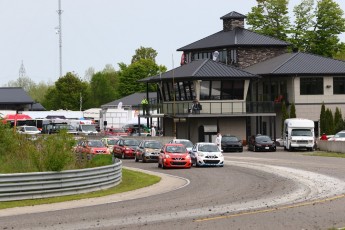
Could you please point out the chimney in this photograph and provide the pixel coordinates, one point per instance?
(233, 20)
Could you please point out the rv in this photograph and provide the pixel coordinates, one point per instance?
(298, 133)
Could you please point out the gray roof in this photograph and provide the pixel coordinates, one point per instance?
(202, 69)
(299, 64)
(233, 15)
(133, 99)
(14, 95)
(234, 38)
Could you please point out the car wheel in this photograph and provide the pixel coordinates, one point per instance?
(159, 165)
(143, 160)
(135, 158)
(163, 165)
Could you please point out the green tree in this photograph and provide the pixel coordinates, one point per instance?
(24, 82)
(144, 53)
(270, 17)
(66, 93)
(329, 122)
(338, 120)
(285, 115)
(292, 111)
(323, 121)
(303, 22)
(329, 24)
(103, 87)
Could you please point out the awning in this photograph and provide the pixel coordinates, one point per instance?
(17, 117)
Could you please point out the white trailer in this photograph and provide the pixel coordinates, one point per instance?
(298, 133)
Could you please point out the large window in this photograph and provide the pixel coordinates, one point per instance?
(311, 86)
(338, 85)
(223, 56)
(181, 91)
(222, 90)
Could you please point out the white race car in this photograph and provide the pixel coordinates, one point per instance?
(206, 154)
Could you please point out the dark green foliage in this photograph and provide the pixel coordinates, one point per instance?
(329, 129)
(323, 121)
(100, 160)
(338, 121)
(103, 88)
(292, 111)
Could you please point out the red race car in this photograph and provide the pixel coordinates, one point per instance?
(92, 147)
(174, 156)
(125, 148)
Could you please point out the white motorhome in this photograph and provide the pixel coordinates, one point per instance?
(298, 133)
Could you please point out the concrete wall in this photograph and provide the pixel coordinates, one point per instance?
(331, 146)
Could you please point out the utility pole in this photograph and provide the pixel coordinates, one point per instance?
(59, 31)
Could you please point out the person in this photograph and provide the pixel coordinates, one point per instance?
(196, 107)
(219, 140)
(324, 137)
(145, 105)
(153, 131)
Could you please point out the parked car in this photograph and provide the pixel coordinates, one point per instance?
(174, 156)
(339, 136)
(109, 142)
(206, 154)
(187, 143)
(27, 129)
(148, 150)
(125, 148)
(261, 143)
(91, 147)
(231, 143)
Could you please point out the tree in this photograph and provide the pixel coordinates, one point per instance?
(89, 73)
(38, 91)
(329, 121)
(144, 53)
(285, 116)
(66, 93)
(323, 121)
(338, 121)
(103, 87)
(329, 23)
(293, 111)
(24, 82)
(270, 17)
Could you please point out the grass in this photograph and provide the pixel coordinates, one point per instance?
(326, 154)
(131, 180)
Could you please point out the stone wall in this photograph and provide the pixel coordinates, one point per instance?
(252, 55)
(230, 24)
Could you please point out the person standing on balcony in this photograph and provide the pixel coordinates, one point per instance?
(145, 105)
(196, 107)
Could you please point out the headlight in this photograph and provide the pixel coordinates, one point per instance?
(147, 151)
(220, 155)
(188, 157)
(127, 148)
(201, 154)
(167, 156)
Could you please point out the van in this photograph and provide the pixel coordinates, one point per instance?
(87, 129)
(298, 133)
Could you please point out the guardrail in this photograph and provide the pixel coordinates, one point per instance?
(22, 186)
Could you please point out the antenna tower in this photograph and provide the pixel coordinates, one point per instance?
(22, 71)
(59, 31)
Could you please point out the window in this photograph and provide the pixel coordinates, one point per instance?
(311, 86)
(338, 85)
(205, 90)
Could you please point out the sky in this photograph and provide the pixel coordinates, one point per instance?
(100, 32)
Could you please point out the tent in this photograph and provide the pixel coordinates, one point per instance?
(17, 117)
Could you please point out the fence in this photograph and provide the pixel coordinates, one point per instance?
(21, 186)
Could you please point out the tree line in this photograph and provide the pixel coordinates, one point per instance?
(97, 88)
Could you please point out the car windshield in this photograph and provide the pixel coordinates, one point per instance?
(131, 142)
(340, 134)
(111, 141)
(208, 148)
(31, 128)
(95, 144)
(186, 143)
(176, 149)
(263, 138)
(301, 132)
(227, 138)
(153, 145)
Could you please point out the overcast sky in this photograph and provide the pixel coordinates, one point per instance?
(100, 32)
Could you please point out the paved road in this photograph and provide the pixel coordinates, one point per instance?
(280, 190)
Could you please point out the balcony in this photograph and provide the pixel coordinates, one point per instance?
(213, 107)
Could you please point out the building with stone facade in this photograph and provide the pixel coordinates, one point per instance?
(241, 79)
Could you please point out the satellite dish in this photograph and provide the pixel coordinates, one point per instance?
(119, 106)
(215, 55)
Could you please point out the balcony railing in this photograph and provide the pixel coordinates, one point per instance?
(213, 107)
